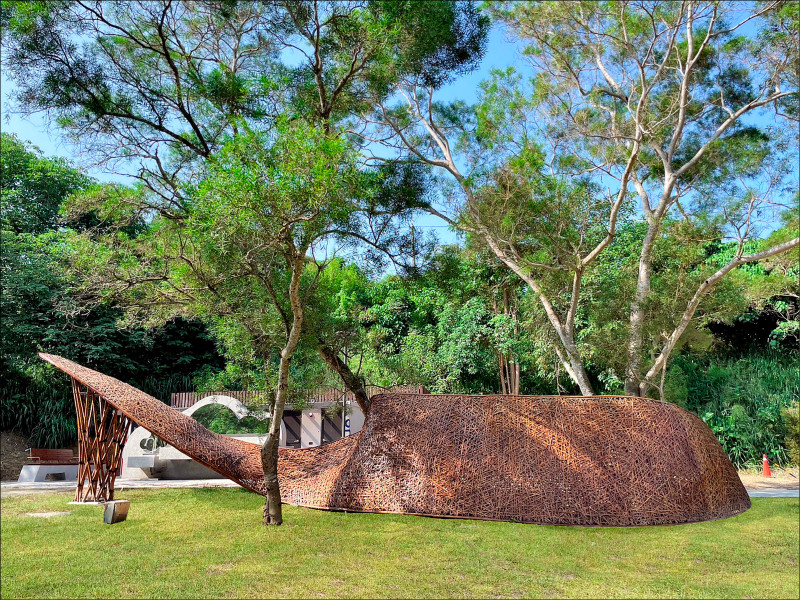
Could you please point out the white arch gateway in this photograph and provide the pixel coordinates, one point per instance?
(141, 459)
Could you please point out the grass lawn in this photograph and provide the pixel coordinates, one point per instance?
(205, 543)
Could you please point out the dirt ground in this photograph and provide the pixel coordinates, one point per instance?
(784, 479)
(12, 455)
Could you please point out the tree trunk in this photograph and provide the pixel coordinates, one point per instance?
(577, 370)
(502, 371)
(572, 362)
(659, 365)
(500, 357)
(633, 375)
(509, 374)
(273, 513)
(353, 382)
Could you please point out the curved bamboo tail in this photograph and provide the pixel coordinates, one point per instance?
(104, 404)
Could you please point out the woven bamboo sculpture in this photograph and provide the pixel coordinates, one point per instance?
(556, 460)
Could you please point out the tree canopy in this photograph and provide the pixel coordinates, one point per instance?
(663, 112)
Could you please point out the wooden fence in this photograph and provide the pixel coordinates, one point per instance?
(183, 400)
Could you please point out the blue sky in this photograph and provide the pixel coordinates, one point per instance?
(501, 53)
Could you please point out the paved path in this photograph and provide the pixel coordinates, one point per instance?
(773, 493)
(13, 488)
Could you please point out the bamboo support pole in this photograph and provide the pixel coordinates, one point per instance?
(102, 431)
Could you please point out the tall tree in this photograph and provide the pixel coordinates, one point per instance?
(677, 102)
(245, 255)
(168, 89)
(158, 86)
(155, 88)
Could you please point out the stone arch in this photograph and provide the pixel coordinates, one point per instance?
(236, 407)
(138, 436)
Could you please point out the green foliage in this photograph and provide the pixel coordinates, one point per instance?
(781, 35)
(235, 376)
(221, 419)
(785, 331)
(32, 186)
(791, 420)
(448, 350)
(741, 398)
(682, 258)
(447, 327)
(38, 314)
(321, 61)
(39, 311)
(167, 383)
(444, 40)
(38, 404)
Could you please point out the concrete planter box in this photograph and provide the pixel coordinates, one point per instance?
(40, 473)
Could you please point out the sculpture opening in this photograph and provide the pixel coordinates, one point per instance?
(558, 460)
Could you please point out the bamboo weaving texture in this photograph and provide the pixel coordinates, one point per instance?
(558, 460)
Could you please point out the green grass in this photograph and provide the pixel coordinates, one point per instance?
(206, 543)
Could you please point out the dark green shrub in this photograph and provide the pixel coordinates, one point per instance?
(38, 405)
(163, 387)
(36, 401)
(221, 419)
(791, 420)
(741, 398)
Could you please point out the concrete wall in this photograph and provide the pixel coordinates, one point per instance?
(354, 420)
(170, 463)
(311, 424)
(311, 428)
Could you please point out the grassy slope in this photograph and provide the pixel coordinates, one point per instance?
(205, 543)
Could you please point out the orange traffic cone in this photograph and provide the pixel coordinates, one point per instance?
(766, 471)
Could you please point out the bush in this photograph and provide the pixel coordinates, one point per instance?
(741, 398)
(38, 405)
(221, 419)
(791, 420)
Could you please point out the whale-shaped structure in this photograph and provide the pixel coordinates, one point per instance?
(559, 460)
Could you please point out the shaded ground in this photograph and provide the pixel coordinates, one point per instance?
(12, 455)
(205, 543)
(783, 479)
